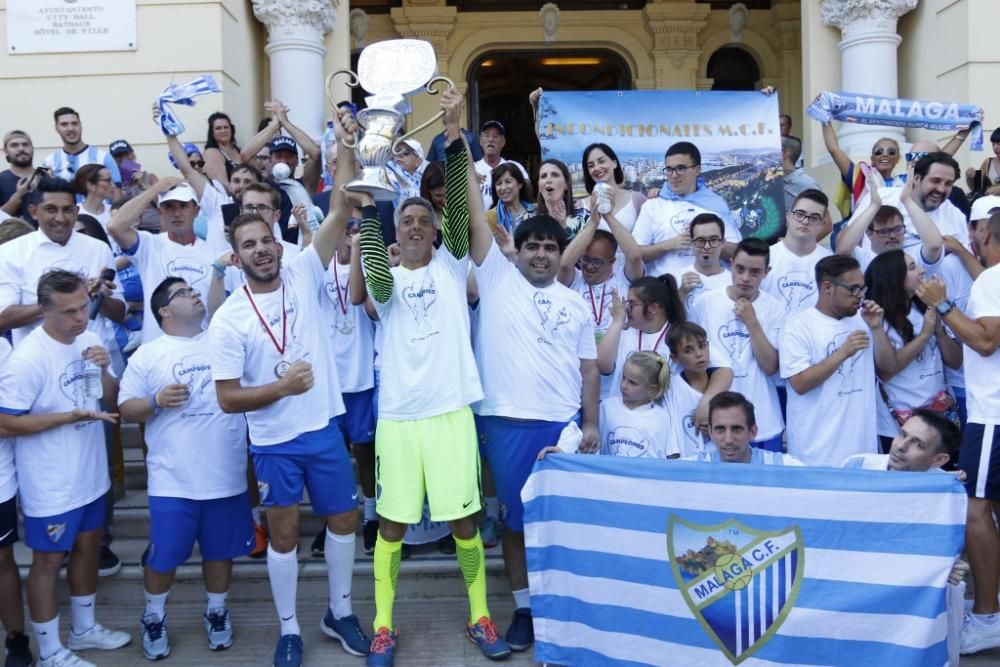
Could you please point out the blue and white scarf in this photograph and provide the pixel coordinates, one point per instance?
(182, 94)
(875, 110)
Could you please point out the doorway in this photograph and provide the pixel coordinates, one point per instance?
(500, 82)
(733, 68)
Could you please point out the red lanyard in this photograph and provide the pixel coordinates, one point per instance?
(598, 313)
(284, 320)
(341, 298)
(659, 339)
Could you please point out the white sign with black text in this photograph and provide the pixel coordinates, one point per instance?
(70, 26)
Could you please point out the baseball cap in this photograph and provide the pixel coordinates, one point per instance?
(984, 206)
(494, 124)
(283, 143)
(189, 150)
(415, 147)
(119, 147)
(182, 192)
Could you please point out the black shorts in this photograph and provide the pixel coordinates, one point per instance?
(8, 522)
(980, 459)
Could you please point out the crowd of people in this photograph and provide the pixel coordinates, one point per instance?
(250, 308)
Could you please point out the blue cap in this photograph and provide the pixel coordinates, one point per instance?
(119, 147)
(283, 143)
(189, 150)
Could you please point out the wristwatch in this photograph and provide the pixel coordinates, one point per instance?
(944, 307)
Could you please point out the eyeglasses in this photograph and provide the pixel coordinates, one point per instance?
(916, 155)
(680, 169)
(595, 262)
(889, 231)
(711, 242)
(854, 290)
(197, 163)
(184, 293)
(107, 179)
(798, 215)
(886, 151)
(257, 208)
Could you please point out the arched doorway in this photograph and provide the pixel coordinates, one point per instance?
(733, 68)
(500, 82)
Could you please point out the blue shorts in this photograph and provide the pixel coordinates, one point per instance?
(378, 382)
(317, 461)
(58, 533)
(223, 528)
(979, 457)
(511, 446)
(771, 444)
(357, 425)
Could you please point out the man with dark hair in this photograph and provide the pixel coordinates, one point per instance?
(425, 438)
(793, 259)
(18, 181)
(74, 153)
(785, 125)
(271, 360)
(928, 440)
(50, 391)
(826, 355)
(707, 233)
(551, 381)
(795, 179)
(732, 425)
(743, 324)
(662, 228)
(979, 330)
(195, 492)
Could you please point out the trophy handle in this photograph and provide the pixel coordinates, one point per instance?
(353, 82)
(396, 150)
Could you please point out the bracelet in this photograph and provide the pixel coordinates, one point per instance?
(152, 404)
(220, 270)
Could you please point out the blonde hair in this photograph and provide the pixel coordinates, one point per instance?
(654, 368)
(11, 228)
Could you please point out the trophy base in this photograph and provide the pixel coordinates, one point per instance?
(376, 183)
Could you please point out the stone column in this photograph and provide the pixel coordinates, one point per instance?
(868, 59)
(786, 22)
(295, 47)
(675, 29)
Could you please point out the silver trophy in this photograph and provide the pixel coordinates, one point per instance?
(389, 70)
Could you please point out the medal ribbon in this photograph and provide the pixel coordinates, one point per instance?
(341, 298)
(659, 339)
(598, 313)
(284, 320)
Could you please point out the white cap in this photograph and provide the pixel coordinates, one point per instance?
(182, 192)
(415, 147)
(984, 206)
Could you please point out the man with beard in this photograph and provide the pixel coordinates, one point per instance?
(271, 361)
(74, 153)
(16, 182)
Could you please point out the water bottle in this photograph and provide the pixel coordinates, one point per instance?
(93, 388)
(604, 198)
(329, 143)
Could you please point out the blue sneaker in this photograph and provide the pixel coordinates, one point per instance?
(490, 531)
(521, 633)
(347, 631)
(155, 645)
(219, 629)
(288, 652)
(383, 648)
(484, 634)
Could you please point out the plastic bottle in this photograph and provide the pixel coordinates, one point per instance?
(93, 388)
(604, 198)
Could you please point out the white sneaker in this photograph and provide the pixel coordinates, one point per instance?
(978, 636)
(98, 637)
(63, 658)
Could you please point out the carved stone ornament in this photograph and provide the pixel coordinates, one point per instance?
(318, 15)
(873, 14)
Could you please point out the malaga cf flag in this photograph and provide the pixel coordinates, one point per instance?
(637, 562)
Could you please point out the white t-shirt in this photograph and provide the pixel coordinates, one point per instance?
(242, 349)
(730, 345)
(66, 467)
(8, 477)
(483, 169)
(682, 400)
(211, 202)
(916, 385)
(958, 284)
(948, 218)
(634, 340)
(836, 418)
(866, 462)
(426, 363)
(982, 390)
(597, 298)
(716, 281)
(27, 258)
(531, 341)
(865, 255)
(644, 432)
(156, 257)
(235, 278)
(661, 220)
(351, 332)
(196, 451)
(792, 279)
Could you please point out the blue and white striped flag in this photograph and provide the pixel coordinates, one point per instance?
(681, 563)
(183, 93)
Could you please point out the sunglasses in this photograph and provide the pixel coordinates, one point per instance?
(197, 163)
(884, 151)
